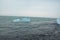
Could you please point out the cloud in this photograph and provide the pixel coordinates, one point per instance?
(29, 8)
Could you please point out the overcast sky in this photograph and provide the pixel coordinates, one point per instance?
(39, 8)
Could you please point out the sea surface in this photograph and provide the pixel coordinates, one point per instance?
(38, 29)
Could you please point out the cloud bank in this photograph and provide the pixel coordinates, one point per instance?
(33, 8)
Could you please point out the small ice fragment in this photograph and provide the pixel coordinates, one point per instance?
(22, 20)
(58, 20)
(26, 20)
(16, 20)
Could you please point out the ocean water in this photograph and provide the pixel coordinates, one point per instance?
(14, 31)
(10, 18)
(7, 24)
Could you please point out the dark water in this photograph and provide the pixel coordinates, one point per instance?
(10, 18)
(37, 29)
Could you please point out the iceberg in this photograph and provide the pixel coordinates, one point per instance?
(22, 20)
(16, 20)
(25, 20)
(58, 20)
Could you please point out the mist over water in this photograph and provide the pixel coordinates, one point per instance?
(32, 8)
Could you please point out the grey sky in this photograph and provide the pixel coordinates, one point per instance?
(39, 8)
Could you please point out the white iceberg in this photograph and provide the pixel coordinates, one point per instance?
(25, 20)
(16, 20)
(22, 20)
(58, 20)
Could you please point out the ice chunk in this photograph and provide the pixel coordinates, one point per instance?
(16, 20)
(22, 20)
(26, 20)
(58, 20)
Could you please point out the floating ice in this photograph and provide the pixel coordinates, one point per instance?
(58, 21)
(25, 20)
(22, 20)
(16, 20)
